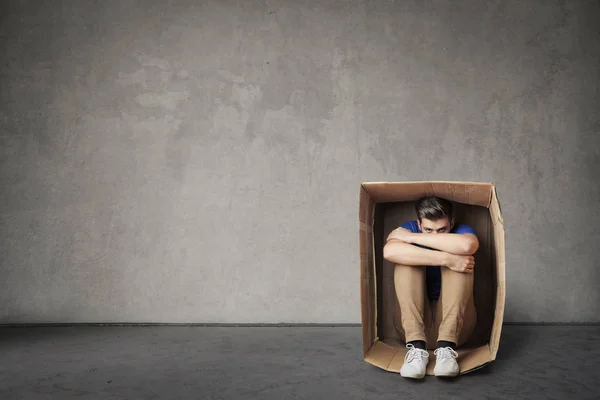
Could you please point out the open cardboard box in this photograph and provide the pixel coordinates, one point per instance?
(384, 206)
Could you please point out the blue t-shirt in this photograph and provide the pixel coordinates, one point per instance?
(433, 273)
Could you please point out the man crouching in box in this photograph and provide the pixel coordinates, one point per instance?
(433, 277)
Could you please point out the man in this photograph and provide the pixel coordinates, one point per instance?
(433, 277)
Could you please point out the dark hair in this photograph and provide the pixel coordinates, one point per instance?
(433, 208)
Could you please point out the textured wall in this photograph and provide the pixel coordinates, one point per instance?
(189, 161)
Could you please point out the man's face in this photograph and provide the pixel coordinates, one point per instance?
(442, 225)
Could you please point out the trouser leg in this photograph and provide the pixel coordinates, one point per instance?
(455, 311)
(412, 312)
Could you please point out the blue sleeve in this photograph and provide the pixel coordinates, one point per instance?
(464, 229)
(411, 226)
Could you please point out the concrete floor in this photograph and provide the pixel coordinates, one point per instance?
(178, 362)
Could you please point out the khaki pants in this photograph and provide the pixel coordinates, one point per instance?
(451, 318)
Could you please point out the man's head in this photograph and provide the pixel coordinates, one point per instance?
(434, 214)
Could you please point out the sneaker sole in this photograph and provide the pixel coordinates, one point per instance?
(413, 376)
(448, 375)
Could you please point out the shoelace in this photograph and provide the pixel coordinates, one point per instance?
(414, 353)
(444, 353)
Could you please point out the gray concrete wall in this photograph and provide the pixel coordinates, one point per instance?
(190, 161)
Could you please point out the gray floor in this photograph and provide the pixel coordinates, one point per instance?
(177, 362)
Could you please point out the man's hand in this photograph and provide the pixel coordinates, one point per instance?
(400, 234)
(464, 264)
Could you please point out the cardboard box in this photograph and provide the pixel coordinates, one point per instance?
(385, 206)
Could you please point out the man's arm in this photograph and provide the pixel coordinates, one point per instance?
(455, 243)
(399, 252)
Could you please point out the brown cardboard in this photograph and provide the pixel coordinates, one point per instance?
(383, 207)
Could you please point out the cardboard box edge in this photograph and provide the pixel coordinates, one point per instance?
(493, 345)
(501, 288)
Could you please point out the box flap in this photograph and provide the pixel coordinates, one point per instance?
(367, 271)
(478, 194)
(473, 359)
(390, 358)
(500, 249)
(381, 355)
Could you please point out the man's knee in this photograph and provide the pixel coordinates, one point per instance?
(403, 268)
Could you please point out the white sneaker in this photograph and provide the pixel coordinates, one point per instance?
(445, 362)
(415, 363)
